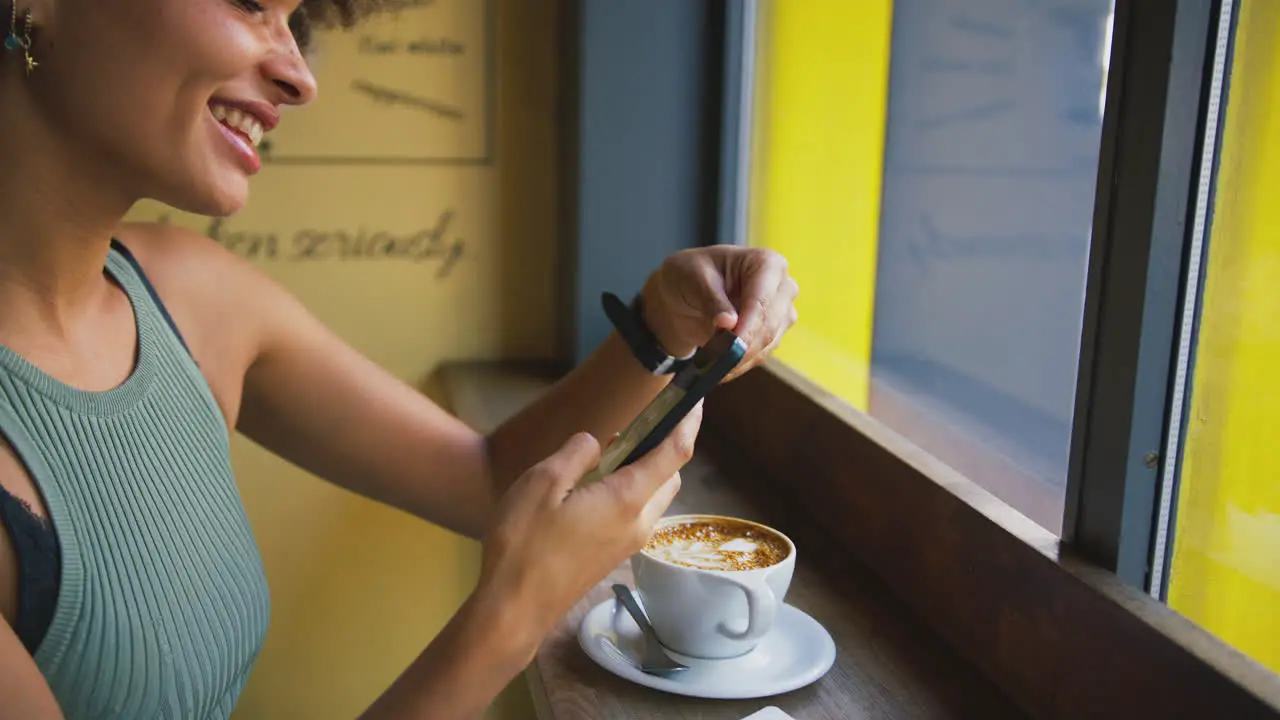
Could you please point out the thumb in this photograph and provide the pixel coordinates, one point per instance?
(638, 482)
(713, 299)
(579, 454)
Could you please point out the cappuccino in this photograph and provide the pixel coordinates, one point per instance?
(717, 544)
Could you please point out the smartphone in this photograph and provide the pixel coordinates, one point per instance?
(691, 383)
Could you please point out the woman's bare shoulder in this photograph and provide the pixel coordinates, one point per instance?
(187, 264)
(164, 250)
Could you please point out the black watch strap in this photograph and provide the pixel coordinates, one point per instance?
(629, 322)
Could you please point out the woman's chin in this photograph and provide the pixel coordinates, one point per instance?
(213, 201)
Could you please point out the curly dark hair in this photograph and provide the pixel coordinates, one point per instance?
(327, 14)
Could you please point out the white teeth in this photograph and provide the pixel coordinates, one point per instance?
(235, 119)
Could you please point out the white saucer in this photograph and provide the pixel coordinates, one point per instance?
(794, 654)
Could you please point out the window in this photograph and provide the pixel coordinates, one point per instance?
(930, 174)
(1222, 511)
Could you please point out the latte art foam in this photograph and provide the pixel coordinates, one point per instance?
(717, 544)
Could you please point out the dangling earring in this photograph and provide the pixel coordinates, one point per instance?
(15, 41)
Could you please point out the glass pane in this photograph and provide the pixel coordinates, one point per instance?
(929, 171)
(1224, 573)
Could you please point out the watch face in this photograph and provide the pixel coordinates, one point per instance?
(412, 86)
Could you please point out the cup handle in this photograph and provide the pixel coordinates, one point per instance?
(762, 606)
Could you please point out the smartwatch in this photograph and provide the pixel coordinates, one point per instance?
(628, 320)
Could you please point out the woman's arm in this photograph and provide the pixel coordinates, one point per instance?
(482, 648)
(314, 400)
(294, 387)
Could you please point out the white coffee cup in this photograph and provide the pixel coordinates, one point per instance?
(711, 614)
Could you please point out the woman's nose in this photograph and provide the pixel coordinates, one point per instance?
(291, 77)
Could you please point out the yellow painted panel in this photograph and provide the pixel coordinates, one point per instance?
(818, 139)
(1225, 572)
(358, 590)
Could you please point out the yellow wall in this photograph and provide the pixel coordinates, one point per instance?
(822, 94)
(1225, 572)
(358, 589)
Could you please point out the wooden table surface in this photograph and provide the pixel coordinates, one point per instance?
(889, 664)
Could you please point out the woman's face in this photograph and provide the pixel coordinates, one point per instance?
(168, 97)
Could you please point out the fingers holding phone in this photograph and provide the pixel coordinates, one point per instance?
(650, 484)
(552, 542)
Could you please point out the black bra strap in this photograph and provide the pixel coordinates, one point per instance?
(155, 297)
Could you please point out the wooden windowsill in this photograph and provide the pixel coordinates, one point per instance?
(889, 662)
(1062, 638)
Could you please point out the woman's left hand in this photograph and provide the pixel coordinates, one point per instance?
(696, 292)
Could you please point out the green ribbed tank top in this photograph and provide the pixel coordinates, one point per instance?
(163, 603)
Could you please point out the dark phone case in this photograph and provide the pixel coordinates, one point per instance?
(703, 373)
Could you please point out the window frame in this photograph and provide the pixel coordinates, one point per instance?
(1193, 299)
(1148, 177)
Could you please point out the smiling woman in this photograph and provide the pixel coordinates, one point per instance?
(131, 584)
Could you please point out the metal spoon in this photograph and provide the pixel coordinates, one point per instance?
(655, 660)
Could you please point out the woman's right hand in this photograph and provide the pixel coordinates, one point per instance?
(552, 542)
